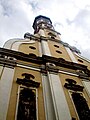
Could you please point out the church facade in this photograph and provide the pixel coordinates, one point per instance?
(43, 78)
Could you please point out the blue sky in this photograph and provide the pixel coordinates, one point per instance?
(70, 17)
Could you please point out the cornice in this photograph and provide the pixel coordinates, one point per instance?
(21, 56)
(50, 29)
(7, 62)
(33, 37)
(40, 61)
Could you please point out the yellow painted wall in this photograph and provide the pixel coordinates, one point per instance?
(13, 98)
(63, 77)
(84, 61)
(25, 48)
(49, 31)
(61, 48)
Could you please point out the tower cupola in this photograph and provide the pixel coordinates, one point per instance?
(42, 22)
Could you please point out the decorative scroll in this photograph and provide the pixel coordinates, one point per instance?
(27, 81)
(81, 106)
(27, 104)
(72, 85)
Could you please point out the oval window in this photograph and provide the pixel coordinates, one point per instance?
(56, 46)
(32, 47)
(58, 51)
(80, 60)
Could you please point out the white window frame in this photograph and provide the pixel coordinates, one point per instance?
(70, 92)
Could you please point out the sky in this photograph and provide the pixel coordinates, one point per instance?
(69, 17)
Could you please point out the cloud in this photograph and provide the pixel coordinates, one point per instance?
(86, 53)
(82, 27)
(69, 17)
(16, 18)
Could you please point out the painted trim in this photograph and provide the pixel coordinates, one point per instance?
(68, 73)
(73, 103)
(29, 67)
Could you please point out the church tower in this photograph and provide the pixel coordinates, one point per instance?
(43, 78)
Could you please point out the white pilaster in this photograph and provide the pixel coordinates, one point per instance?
(71, 55)
(42, 33)
(87, 86)
(40, 49)
(45, 48)
(60, 104)
(44, 44)
(5, 91)
(1, 70)
(48, 103)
